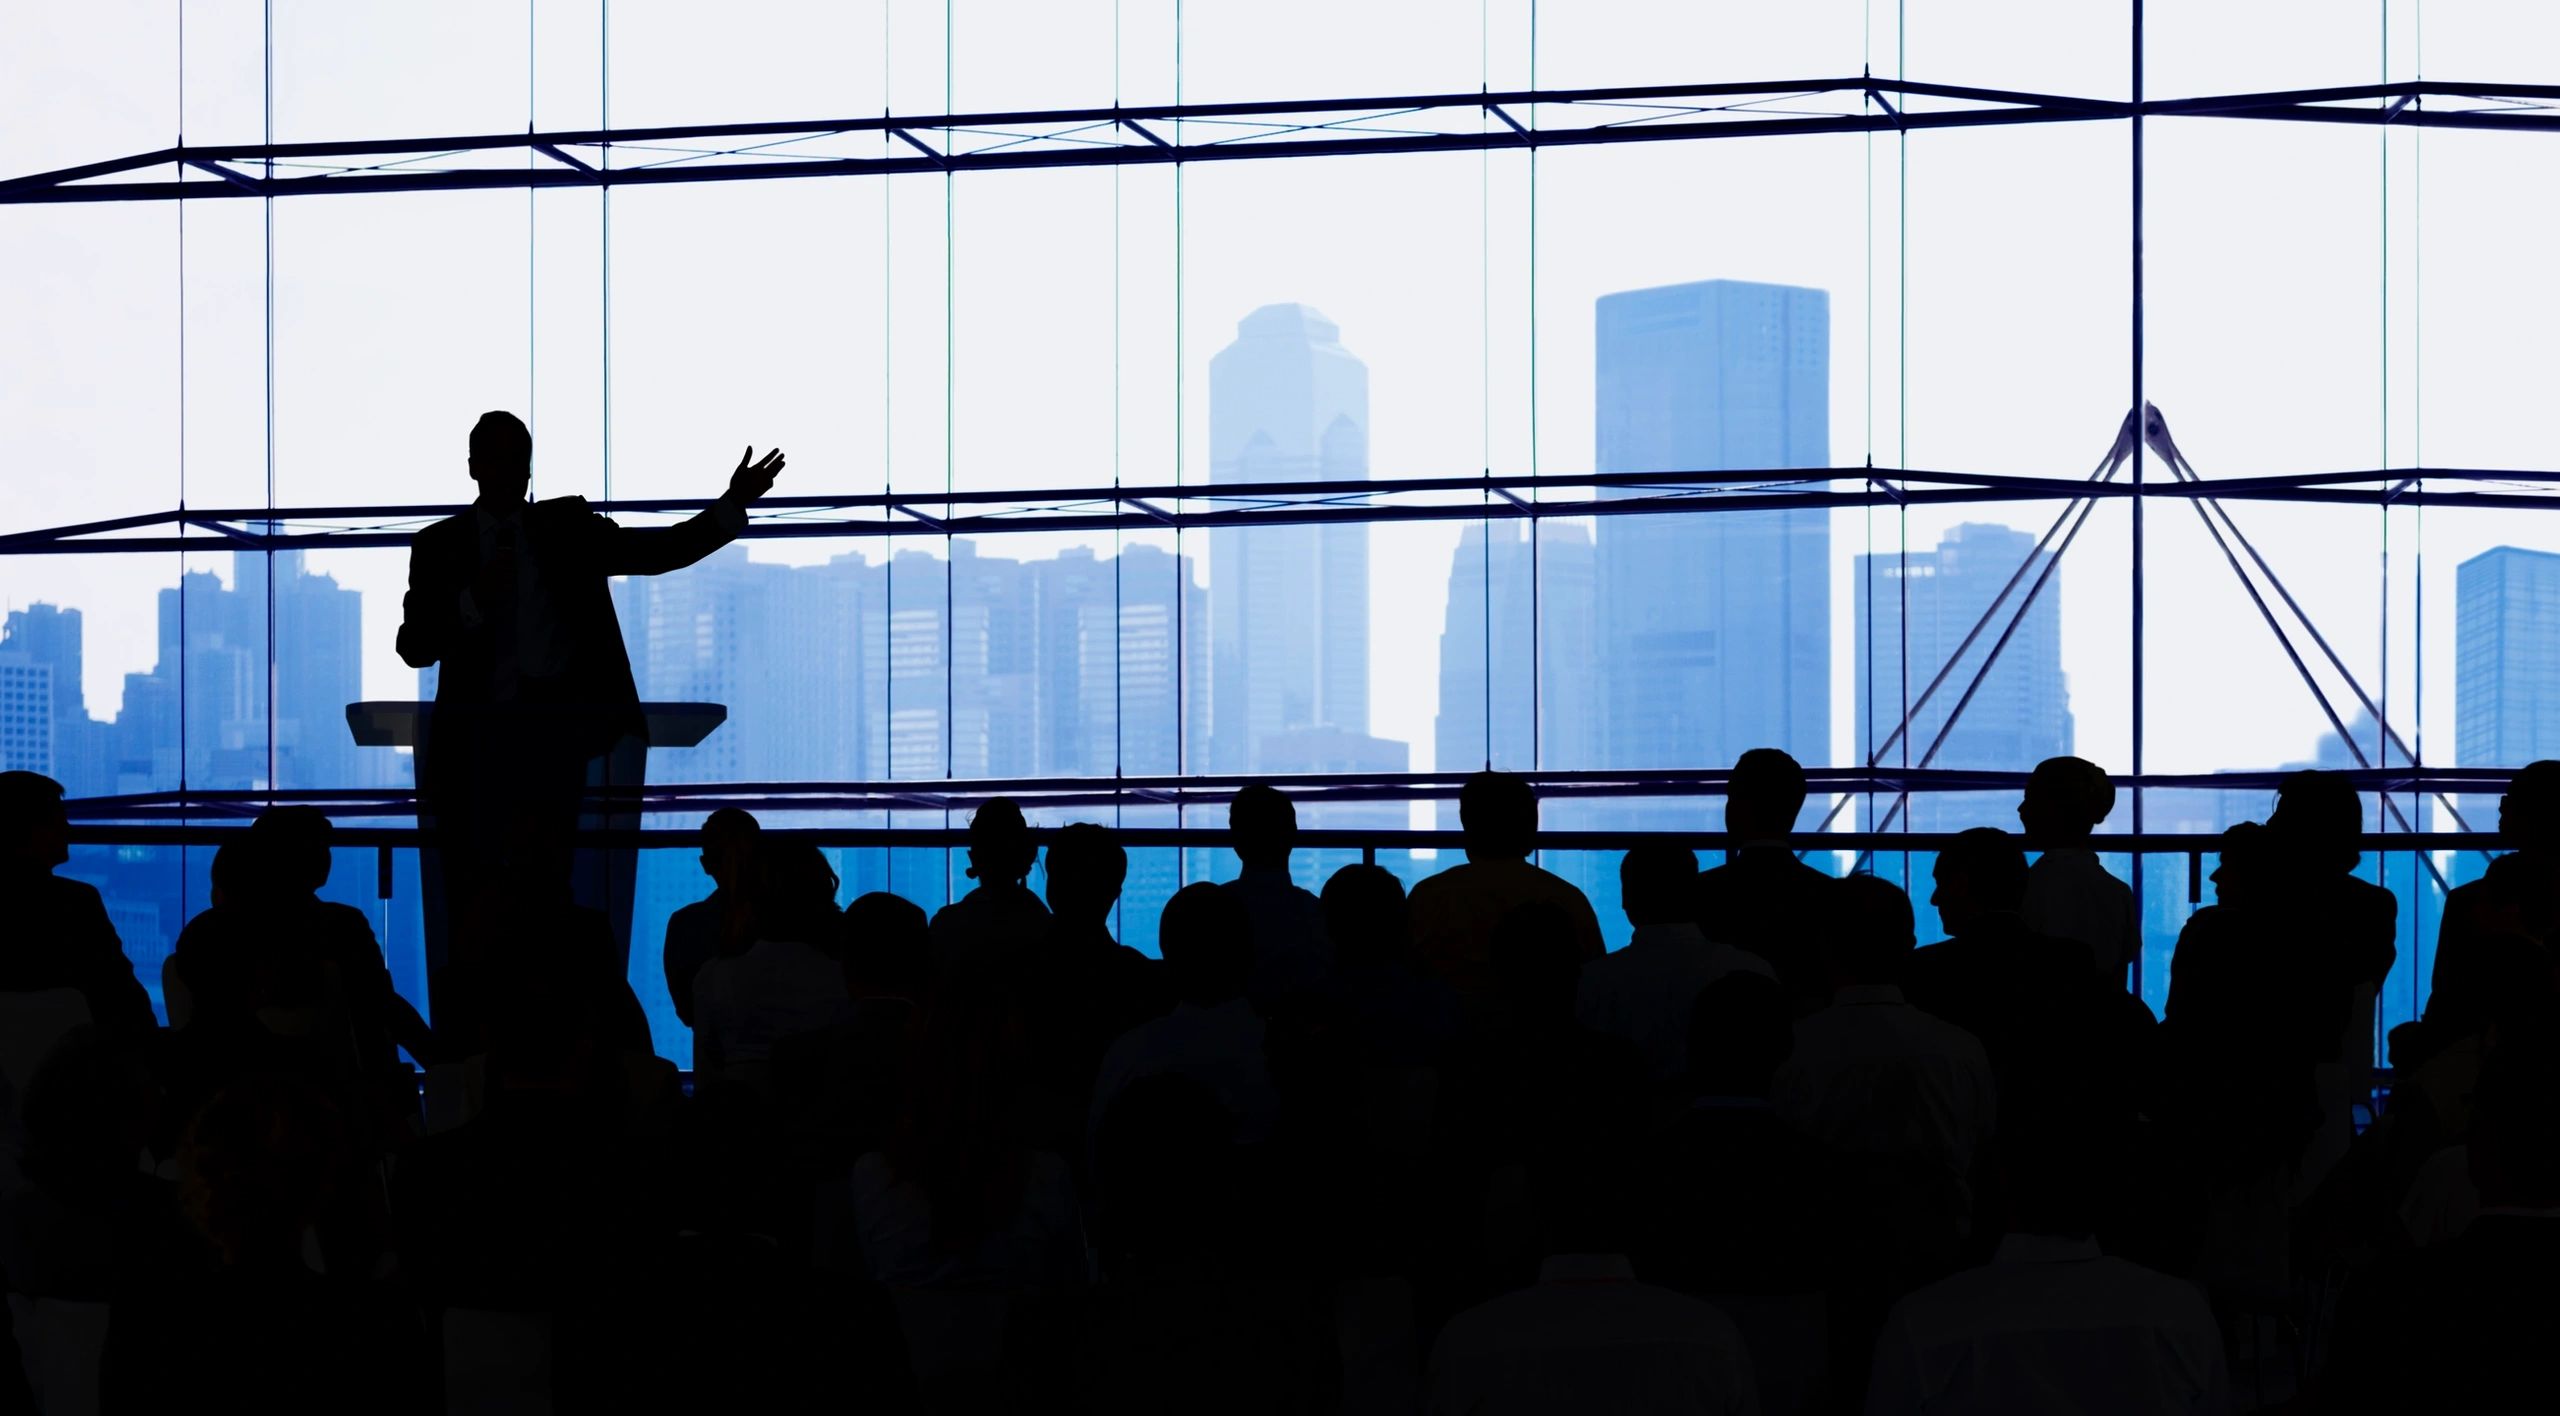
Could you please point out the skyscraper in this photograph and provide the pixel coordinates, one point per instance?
(1926, 602)
(26, 713)
(1715, 630)
(1508, 612)
(1288, 605)
(2506, 638)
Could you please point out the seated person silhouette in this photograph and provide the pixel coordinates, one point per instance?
(1643, 993)
(698, 932)
(2069, 894)
(2494, 934)
(59, 935)
(837, 1088)
(510, 600)
(1764, 897)
(1398, 1015)
(998, 926)
(1212, 1035)
(2052, 1324)
(1455, 911)
(1290, 956)
(787, 980)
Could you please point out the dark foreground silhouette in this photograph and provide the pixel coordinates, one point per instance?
(1352, 1150)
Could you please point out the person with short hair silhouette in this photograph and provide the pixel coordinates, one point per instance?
(1764, 898)
(2497, 929)
(1455, 911)
(1089, 987)
(998, 925)
(510, 601)
(838, 1087)
(296, 842)
(1290, 955)
(1908, 1096)
(2069, 894)
(788, 980)
(59, 935)
(1644, 992)
(1399, 1015)
(701, 931)
(2351, 928)
(1213, 1035)
(2052, 1323)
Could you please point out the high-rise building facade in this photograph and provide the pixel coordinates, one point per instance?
(1517, 654)
(1922, 605)
(2506, 638)
(1288, 605)
(1715, 631)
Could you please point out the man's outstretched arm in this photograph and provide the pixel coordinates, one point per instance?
(655, 550)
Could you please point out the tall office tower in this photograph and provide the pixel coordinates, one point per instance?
(1715, 629)
(1288, 605)
(1516, 654)
(2506, 637)
(1927, 601)
(26, 713)
(82, 748)
(319, 658)
(1107, 700)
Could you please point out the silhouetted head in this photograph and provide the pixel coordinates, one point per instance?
(1087, 867)
(1984, 873)
(258, 1166)
(1868, 932)
(795, 894)
(2317, 819)
(1365, 915)
(886, 950)
(1498, 812)
(1265, 824)
(2244, 864)
(239, 871)
(501, 458)
(2529, 814)
(293, 848)
(1001, 850)
(1740, 1032)
(729, 845)
(1764, 795)
(1535, 966)
(1658, 884)
(2066, 798)
(35, 835)
(1207, 943)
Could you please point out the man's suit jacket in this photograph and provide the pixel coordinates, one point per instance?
(575, 552)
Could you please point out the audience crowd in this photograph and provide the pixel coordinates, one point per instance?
(1359, 1149)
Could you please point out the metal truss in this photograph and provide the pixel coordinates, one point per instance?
(1519, 120)
(1210, 506)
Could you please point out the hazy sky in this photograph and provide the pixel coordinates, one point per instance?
(2319, 297)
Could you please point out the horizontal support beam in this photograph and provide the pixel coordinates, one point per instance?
(1211, 506)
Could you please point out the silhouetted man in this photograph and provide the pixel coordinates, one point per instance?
(2350, 928)
(1764, 898)
(510, 599)
(1455, 911)
(994, 930)
(2481, 950)
(1290, 955)
(1643, 992)
(58, 932)
(1089, 987)
(696, 932)
(295, 846)
(1213, 1035)
(2069, 894)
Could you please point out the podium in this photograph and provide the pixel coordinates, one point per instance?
(604, 877)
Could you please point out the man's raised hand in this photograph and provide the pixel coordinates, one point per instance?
(754, 478)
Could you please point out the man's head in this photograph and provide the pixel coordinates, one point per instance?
(1207, 944)
(1498, 812)
(1764, 795)
(2317, 819)
(293, 848)
(1265, 823)
(35, 835)
(887, 953)
(2066, 798)
(1740, 1032)
(2529, 814)
(501, 458)
(1087, 867)
(729, 839)
(1365, 915)
(1983, 874)
(1867, 931)
(1657, 884)
(1001, 850)
(2243, 864)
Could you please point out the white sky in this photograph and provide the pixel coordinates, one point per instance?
(2319, 297)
